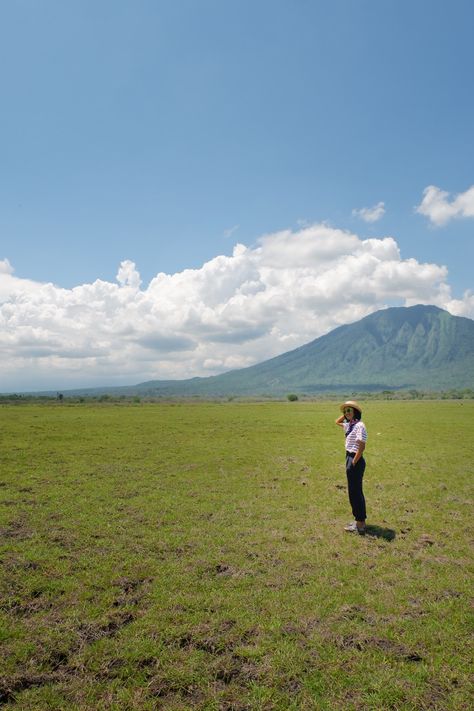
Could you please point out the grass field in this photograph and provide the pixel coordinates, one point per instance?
(191, 556)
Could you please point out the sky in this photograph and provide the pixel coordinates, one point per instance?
(192, 186)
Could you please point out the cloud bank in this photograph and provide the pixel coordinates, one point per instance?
(370, 214)
(439, 210)
(289, 288)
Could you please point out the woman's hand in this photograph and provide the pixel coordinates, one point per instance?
(359, 453)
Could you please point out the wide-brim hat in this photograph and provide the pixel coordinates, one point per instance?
(350, 403)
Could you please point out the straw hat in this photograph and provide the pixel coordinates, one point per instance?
(350, 403)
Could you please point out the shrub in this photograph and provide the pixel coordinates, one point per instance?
(292, 397)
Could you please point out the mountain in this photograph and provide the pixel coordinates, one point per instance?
(420, 347)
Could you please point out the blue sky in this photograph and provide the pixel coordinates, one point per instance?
(161, 134)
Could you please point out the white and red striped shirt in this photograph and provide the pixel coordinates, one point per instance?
(357, 434)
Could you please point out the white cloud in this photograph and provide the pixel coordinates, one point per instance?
(128, 276)
(5, 267)
(464, 306)
(288, 289)
(439, 210)
(10, 285)
(370, 214)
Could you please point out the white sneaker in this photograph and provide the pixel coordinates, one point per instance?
(353, 528)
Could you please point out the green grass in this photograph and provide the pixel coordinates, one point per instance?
(191, 556)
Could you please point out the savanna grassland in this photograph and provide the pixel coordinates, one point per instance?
(191, 556)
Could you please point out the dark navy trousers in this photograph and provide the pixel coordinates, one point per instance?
(355, 475)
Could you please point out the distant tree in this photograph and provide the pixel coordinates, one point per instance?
(60, 397)
(292, 397)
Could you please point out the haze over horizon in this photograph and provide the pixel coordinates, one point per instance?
(192, 188)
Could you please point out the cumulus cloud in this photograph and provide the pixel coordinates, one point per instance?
(128, 276)
(462, 307)
(370, 214)
(287, 289)
(437, 207)
(10, 285)
(5, 267)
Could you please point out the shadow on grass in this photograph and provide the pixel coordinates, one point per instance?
(388, 534)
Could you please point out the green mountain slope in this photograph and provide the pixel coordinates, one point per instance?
(415, 347)
(421, 347)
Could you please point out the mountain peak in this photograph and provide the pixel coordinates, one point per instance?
(419, 346)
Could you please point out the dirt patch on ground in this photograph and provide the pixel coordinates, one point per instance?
(384, 645)
(92, 632)
(355, 612)
(38, 603)
(214, 639)
(60, 667)
(222, 570)
(229, 675)
(11, 686)
(303, 629)
(17, 530)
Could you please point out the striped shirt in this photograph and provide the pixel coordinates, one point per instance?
(358, 434)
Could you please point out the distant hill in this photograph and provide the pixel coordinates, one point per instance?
(420, 347)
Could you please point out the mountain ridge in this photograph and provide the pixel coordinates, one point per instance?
(399, 347)
(416, 347)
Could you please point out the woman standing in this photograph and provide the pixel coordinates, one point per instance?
(356, 437)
